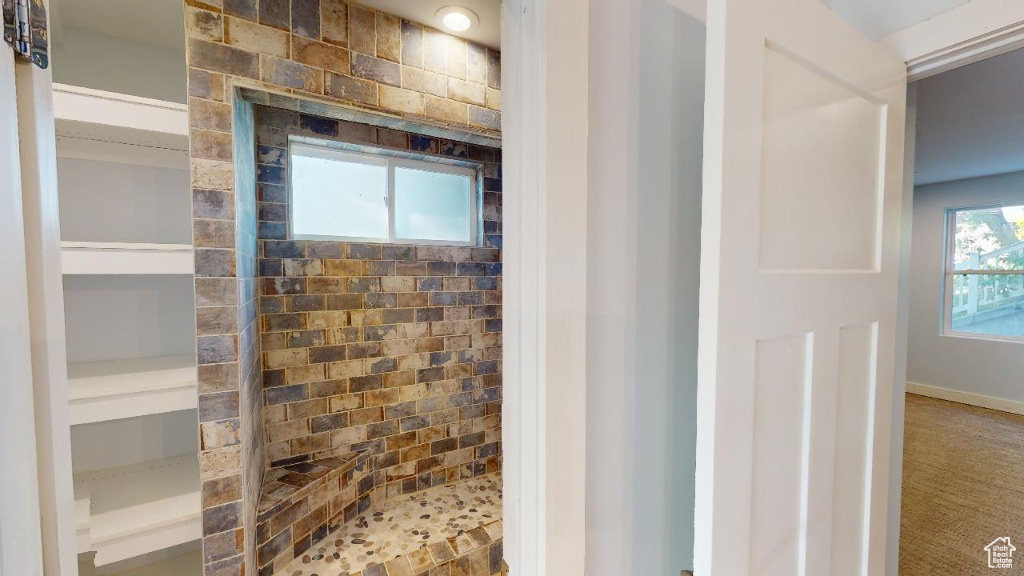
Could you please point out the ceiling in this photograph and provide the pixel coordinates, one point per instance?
(422, 11)
(970, 121)
(879, 18)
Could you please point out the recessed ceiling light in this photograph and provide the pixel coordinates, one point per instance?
(457, 18)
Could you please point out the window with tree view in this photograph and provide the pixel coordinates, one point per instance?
(985, 271)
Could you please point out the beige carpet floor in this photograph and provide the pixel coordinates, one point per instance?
(963, 487)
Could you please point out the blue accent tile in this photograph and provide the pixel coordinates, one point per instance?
(273, 230)
(270, 174)
(322, 126)
(417, 142)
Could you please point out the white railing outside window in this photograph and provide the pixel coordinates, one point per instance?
(985, 272)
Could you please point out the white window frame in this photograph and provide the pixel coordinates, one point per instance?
(950, 273)
(389, 160)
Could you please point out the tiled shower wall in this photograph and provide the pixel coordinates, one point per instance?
(394, 349)
(295, 51)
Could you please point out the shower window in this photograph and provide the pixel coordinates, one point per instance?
(339, 194)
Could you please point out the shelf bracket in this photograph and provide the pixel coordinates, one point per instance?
(25, 30)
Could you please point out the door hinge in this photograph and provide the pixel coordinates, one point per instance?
(25, 30)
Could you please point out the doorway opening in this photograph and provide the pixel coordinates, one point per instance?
(964, 420)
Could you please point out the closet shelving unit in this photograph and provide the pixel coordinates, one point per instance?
(128, 271)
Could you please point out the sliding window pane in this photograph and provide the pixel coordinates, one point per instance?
(988, 304)
(433, 205)
(989, 238)
(334, 197)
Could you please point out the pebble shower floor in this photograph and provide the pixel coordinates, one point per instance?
(416, 533)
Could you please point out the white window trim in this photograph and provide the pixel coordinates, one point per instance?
(329, 150)
(950, 272)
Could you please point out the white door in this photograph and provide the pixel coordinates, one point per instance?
(803, 165)
(20, 545)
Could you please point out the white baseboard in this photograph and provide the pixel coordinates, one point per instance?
(970, 398)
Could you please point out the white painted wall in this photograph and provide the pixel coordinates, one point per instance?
(85, 58)
(643, 251)
(611, 286)
(137, 440)
(972, 365)
(120, 202)
(971, 121)
(128, 317)
(667, 259)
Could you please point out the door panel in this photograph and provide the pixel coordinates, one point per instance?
(803, 167)
(820, 168)
(20, 545)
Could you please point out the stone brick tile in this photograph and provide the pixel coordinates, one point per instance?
(476, 63)
(306, 18)
(434, 50)
(467, 92)
(442, 570)
(221, 490)
(216, 320)
(211, 174)
(221, 461)
(311, 373)
(217, 378)
(399, 567)
(420, 560)
(362, 30)
(387, 137)
(219, 434)
(320, 55)
(376, 69)
(493, 69)
(241, 8)
(334, 22)
(285, 358)
(291, 74)
(402, 100)
(455, 57)
(492, 99)
(446, 110)
(209, 115)
(203, 24)
(256, 38)
(205, 84)
(219, 406)
(412, 44)
(211, 145)
(222, 58)
(424, 81)
(350, 88)
(389, 37)
(224, 545)
(275, 13)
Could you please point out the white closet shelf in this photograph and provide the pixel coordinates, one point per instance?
(187, 564)
(101, 391)
(112, 117)
(105, 151)
(138, 509)
(126, 258)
